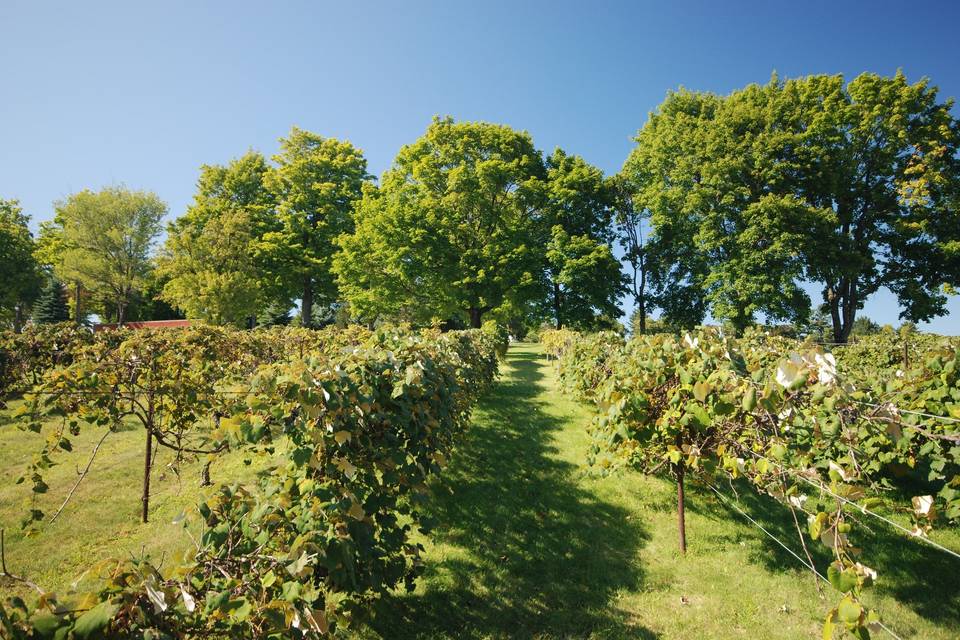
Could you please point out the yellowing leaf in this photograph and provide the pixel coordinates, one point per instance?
(356, 512)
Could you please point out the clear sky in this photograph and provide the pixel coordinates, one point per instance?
(98, 93)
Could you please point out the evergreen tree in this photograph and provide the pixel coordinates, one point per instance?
(274, 314)
(51, 307)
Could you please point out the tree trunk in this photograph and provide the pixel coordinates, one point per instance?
(76, 303)
(740, 322)
(681, 516)
(843, 301)
(18, 318)
(121, 308)
(147, 464)
(642, 312)
(557, 305)
(306, 303)
(475, 314)
(205, 475)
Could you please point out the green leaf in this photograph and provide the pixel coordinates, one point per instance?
(828, 625)
(701, 390)
(91, 622)
(239, 609)
(268, 580)
(45, 624)
(849, 611)
(843, 581)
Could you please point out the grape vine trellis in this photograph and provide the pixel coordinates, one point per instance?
(366, 422)
(783, 416)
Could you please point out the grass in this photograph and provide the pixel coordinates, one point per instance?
(102, 519)
(532, 545)
(529, 544)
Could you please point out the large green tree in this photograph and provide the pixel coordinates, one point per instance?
(583, 279)
(20, 279)
(212, 262)
(450, 231)
(853, 186)
(104, 240)
(316, 183)
(880, 156)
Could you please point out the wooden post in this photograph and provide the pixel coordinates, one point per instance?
(76, 302)
(145, 498)
(681, 516)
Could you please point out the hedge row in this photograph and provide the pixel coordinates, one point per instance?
(328, 528)
(780, 414)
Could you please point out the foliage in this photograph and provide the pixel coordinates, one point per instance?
(103, 239)
(275, 314)
(26, 356)
(210, 260)
(585, 278)
(51, 307)
(449, 231)
(853, 186)
(19, 271)
(779, 414)
(328, 528)
(705, 167)
(316, 183)
(582, 277)
(499, 335)
(889, 353)
(585, 362)
(864, 326)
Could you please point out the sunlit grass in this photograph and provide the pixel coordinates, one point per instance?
(532, 545)
(528, 543)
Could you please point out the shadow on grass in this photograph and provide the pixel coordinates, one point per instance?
(533, 554)
(922, 578)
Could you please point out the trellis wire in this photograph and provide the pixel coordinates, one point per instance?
(787, 548)
(859, 507)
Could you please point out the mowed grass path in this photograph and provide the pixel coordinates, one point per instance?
(531, 544)
(528, 543)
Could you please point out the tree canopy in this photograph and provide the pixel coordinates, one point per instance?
(19, 271)
(316, 182)
(851, 185)
(211, 257)
(738, 207)
(449, 232)
(104, 240)
(583, 279)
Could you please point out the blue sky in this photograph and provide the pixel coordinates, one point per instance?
(97, 93)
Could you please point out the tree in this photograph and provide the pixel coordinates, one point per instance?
(105, 238)
(450, 230)
(212, 262)
(51, 307)
(864, 326)
(632, 227)
(19, 271)
(275, 314)
(316, 183)
(582, 277)
(731, 230)
(149, 303)
(880, 155)
(585, 279)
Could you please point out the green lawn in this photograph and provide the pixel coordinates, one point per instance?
(528, 544)
(531, 545)
(103, 517)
